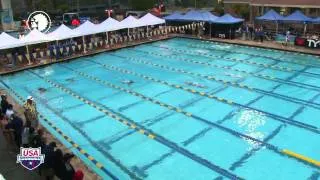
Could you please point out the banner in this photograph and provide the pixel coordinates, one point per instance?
(313, 43)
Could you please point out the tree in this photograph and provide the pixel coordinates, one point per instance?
(142, 5)
(241, 10)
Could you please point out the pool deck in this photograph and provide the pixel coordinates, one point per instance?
(265, 44)
(8, 155)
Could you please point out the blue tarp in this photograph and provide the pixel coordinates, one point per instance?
(297, 16)
(173, 17)
(271, 15)
(227, 19)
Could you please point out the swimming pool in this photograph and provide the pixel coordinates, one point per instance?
(254, 103)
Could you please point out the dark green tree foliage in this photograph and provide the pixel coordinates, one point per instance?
(142, 5)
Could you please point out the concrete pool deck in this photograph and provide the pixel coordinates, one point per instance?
(265, 44)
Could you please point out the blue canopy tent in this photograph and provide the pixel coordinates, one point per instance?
(197, 16)
(193, 15)
(227, 19)
(298, 17)
(176, 16)
(316, 20)
(271, 15)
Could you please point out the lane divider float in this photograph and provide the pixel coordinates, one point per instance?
(68, 139)
(178, 110)
(226, 101)
(225, 82)
(142, 130)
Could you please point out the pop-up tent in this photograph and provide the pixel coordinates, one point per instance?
(273, 16)
(7, 41)
(208, 16)
(298, 17)
(193, 15)
(316, 20)
(131, 22)
(227, 19)
(227, 23)
(62, 32)
(34, 37)
(150, 20)
(87, 28)
(176, 16)
(109, 24)
(203, 16)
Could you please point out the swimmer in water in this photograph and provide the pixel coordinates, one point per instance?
(70, 79)
(42, 90)
(195, 84)
(128, 82)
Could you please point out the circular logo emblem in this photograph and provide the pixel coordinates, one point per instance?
(39, 20)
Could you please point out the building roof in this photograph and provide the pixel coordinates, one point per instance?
(287, 3)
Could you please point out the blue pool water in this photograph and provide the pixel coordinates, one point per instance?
(255, 103)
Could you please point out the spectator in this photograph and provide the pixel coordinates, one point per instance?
(4, 103)
(38, 140)
(30, 112)
(26, 134)
(58, 164)
(32, 134)
(47, 169)
(78, 175)
(9, 111)
(251, 32)
(68, 168)
(16, 124)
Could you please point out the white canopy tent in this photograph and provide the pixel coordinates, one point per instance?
(131, 22)
(150, 20)
(62, 32)
(34, 37)
(87, 28)
(109, 24)
(7, 41)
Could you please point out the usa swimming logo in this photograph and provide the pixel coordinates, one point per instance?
(30, 158)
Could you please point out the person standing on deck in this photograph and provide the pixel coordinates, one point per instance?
(30, 112)
(17, 125)
(4, 103)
